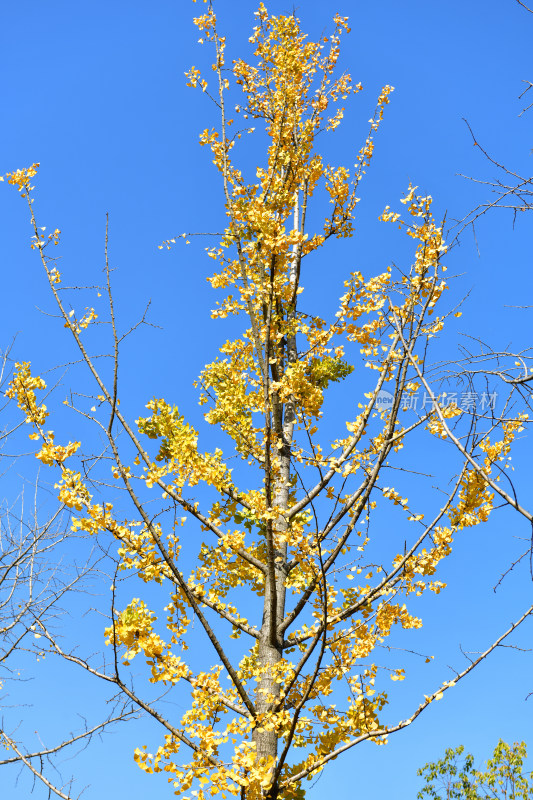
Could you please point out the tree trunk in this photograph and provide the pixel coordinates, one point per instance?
(271, 652)
(270, 647)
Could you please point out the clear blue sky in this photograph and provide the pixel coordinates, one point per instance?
(96, 93)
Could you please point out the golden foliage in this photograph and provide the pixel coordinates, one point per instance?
(266, 392)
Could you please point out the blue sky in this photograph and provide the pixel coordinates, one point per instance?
(96, 93)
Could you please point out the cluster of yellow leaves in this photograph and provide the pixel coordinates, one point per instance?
(74, 324)
(55, 454)
(436, 427)
(39, 240)
(393, 495)
(425, 563)
(235, 394)
(134, 629)
(21, 178)
(475, 495)
(23, 387)
(87, 318)
(178, 450)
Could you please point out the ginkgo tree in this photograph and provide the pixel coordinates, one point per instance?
(295, 584)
